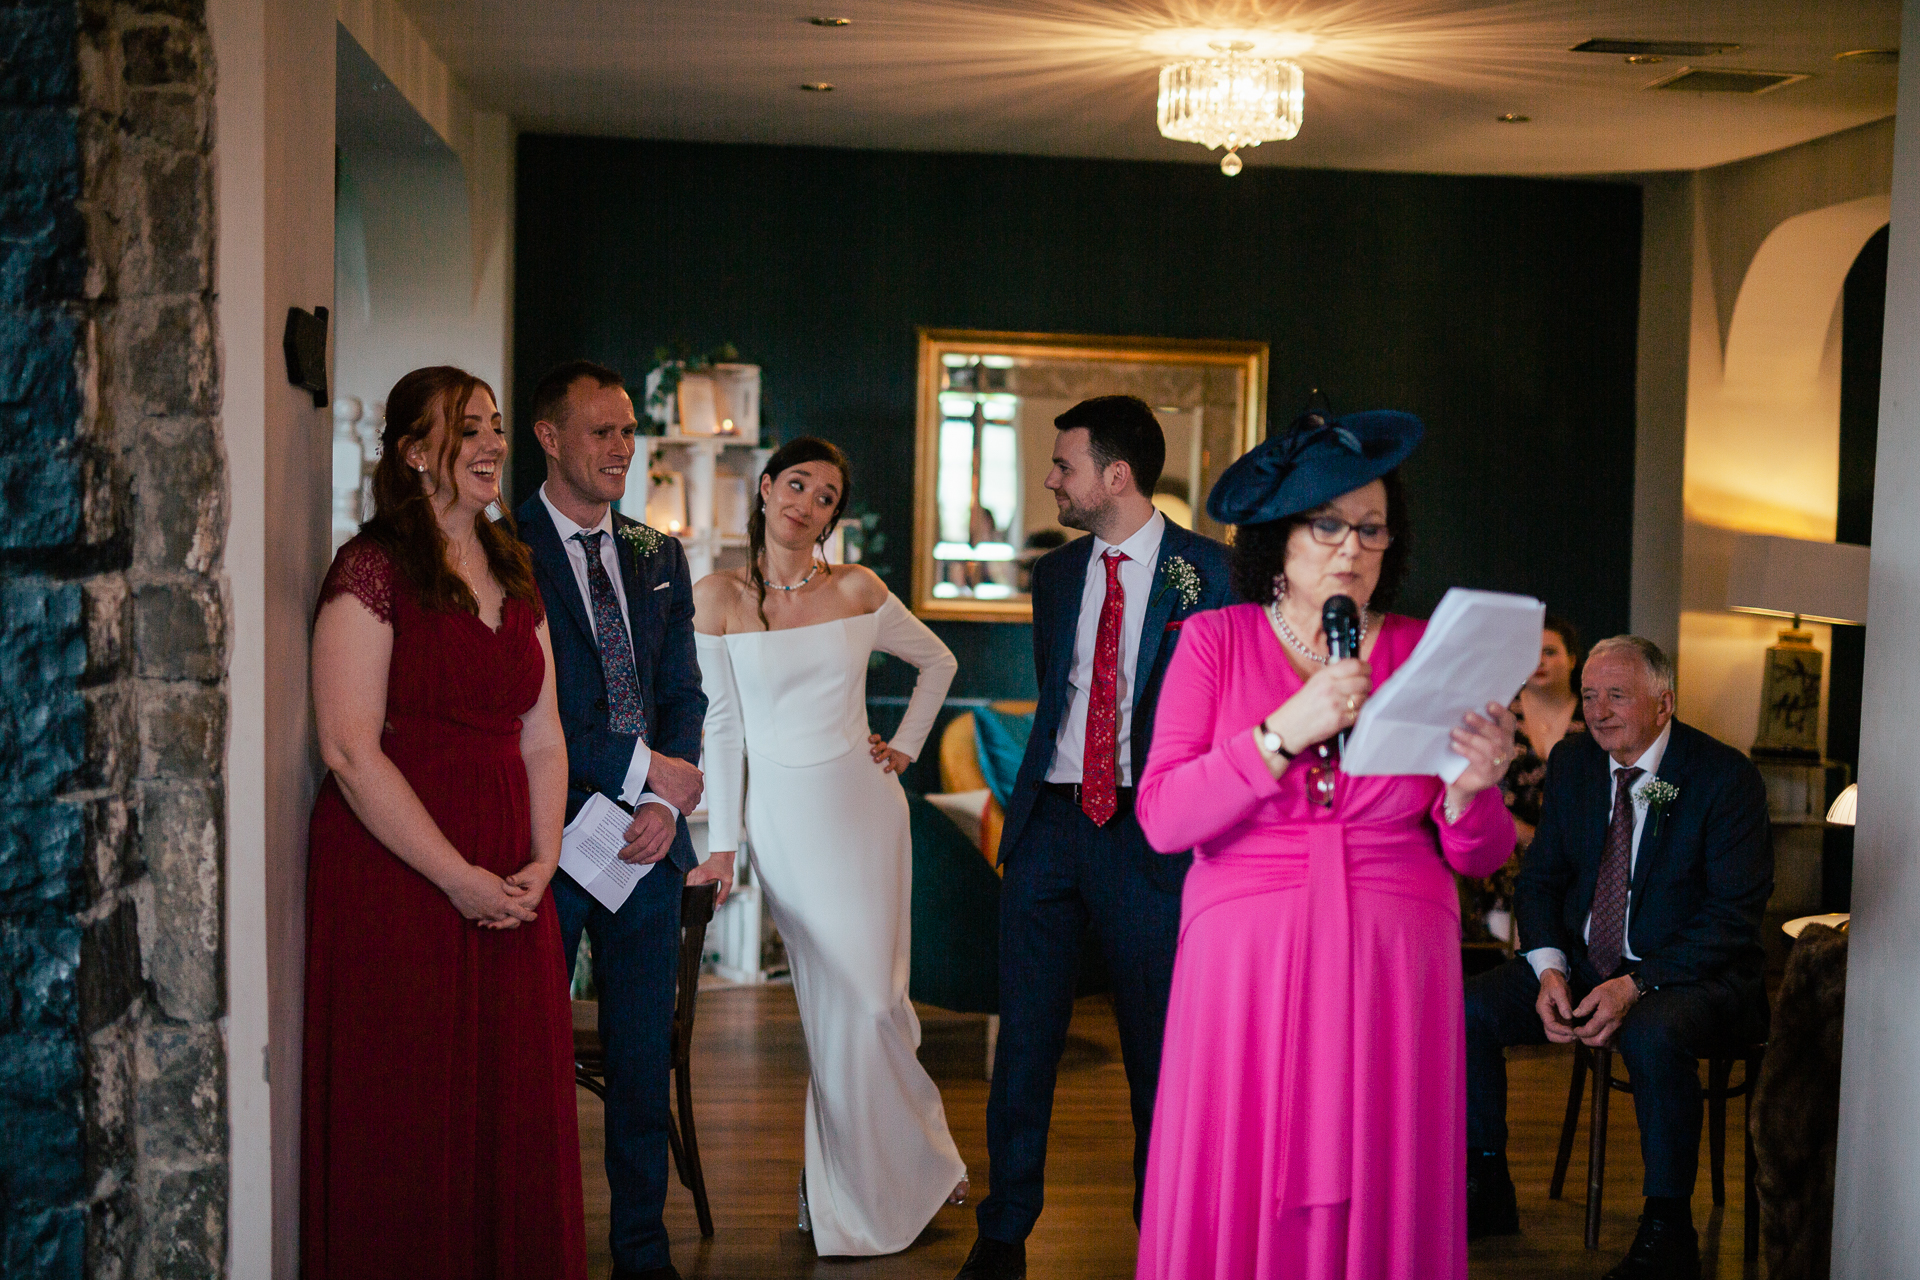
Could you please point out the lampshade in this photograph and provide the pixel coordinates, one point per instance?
(1788, 577)
(1841, 814)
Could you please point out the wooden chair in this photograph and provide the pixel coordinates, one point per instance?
(1719, 1090)
(589, 1063)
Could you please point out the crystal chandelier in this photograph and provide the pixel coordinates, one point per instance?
(1231, 101)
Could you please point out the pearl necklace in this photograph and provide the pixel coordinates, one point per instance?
(796, 586)
(1295, 643)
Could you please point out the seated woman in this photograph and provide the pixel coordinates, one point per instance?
(438, 1133)
(1311, 1113)
(1547, 709)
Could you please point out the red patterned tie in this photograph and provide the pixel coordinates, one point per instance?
(1099, 796)
(1607, 933)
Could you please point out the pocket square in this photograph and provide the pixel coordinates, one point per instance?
(663, 586)
(1174, 625)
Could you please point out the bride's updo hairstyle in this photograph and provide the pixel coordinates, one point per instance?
(792, 454)
(403, 523)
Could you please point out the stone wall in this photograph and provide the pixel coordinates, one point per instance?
(113, 647)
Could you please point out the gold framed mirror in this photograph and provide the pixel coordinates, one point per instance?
(982, 513)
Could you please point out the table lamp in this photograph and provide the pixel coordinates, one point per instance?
(1802, 580)
(1840, 813)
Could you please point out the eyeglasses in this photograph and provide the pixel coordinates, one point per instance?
(1331, 531)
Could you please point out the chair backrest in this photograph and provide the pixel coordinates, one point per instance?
(696, 911)
(959, 757)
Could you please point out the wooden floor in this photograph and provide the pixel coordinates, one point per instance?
(750, 1077)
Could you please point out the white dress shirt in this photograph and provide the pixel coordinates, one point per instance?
(633, 792)
(1545, 958)
(1142, 552)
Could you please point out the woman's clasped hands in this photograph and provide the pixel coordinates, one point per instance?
(496, 903)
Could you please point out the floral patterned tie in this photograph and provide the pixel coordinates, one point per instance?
(1607, 934)
(1099, 794)
(616, 649)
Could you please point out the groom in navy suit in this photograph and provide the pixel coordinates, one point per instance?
(620, 613)
(1107, 611)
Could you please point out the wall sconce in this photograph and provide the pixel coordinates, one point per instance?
(1798, 579)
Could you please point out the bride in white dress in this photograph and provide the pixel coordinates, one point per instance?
(783, 656)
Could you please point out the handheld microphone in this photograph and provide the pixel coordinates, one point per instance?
(1340, 619)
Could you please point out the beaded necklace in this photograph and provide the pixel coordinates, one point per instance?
(1299, 646)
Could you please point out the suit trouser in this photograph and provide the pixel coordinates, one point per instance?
(636, 957)
(1065, 874)
(1661, 1041)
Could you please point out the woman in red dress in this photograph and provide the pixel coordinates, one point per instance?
(439, 1137)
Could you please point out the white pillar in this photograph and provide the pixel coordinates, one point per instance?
(1876, 1229)
(1660, 433)
(273, 107)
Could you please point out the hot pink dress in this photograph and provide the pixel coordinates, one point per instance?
(1311, 1119)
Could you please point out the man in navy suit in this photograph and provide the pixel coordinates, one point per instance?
(620, 613)
(1107, 611)
(1640, 902)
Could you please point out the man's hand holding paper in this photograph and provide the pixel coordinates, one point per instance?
(593, 848)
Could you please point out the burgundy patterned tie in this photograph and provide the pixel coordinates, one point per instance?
(625, 713)
(1099, 795)
(1607, 933)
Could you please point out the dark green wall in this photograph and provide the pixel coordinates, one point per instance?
(1502, 311)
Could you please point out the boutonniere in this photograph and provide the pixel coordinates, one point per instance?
(1184, 578)
(644, 538)
(1656, 795)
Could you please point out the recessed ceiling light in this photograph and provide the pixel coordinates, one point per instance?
(1727, 80)
(1872, 57)
(1671, 48)
(831, 22)
(817, 86)
(1644, 59)
(1512, 118)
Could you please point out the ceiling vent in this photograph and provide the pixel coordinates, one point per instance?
(1658, 48)
(1726, 80)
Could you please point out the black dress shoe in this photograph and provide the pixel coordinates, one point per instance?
(1491, 1208)
(651, 1273)
(995, 1260)
(1661, 1250)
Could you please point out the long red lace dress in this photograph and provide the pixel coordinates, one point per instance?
(439, 1139)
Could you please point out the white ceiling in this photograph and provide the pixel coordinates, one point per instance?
(1410, 85)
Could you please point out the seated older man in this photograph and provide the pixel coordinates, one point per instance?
(1640, 904)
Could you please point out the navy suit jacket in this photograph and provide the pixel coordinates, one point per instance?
(1059, 581)
(1702, 877)
(659, 592)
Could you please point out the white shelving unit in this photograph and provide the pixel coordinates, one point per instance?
(701, 462)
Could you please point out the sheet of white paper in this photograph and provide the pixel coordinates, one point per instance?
(590, 852)
(1479, 647)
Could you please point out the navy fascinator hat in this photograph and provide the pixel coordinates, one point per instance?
(1318, 459)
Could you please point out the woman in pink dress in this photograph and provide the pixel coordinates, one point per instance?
(1311, 1116)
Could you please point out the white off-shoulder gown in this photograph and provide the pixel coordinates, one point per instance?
(787, 752)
